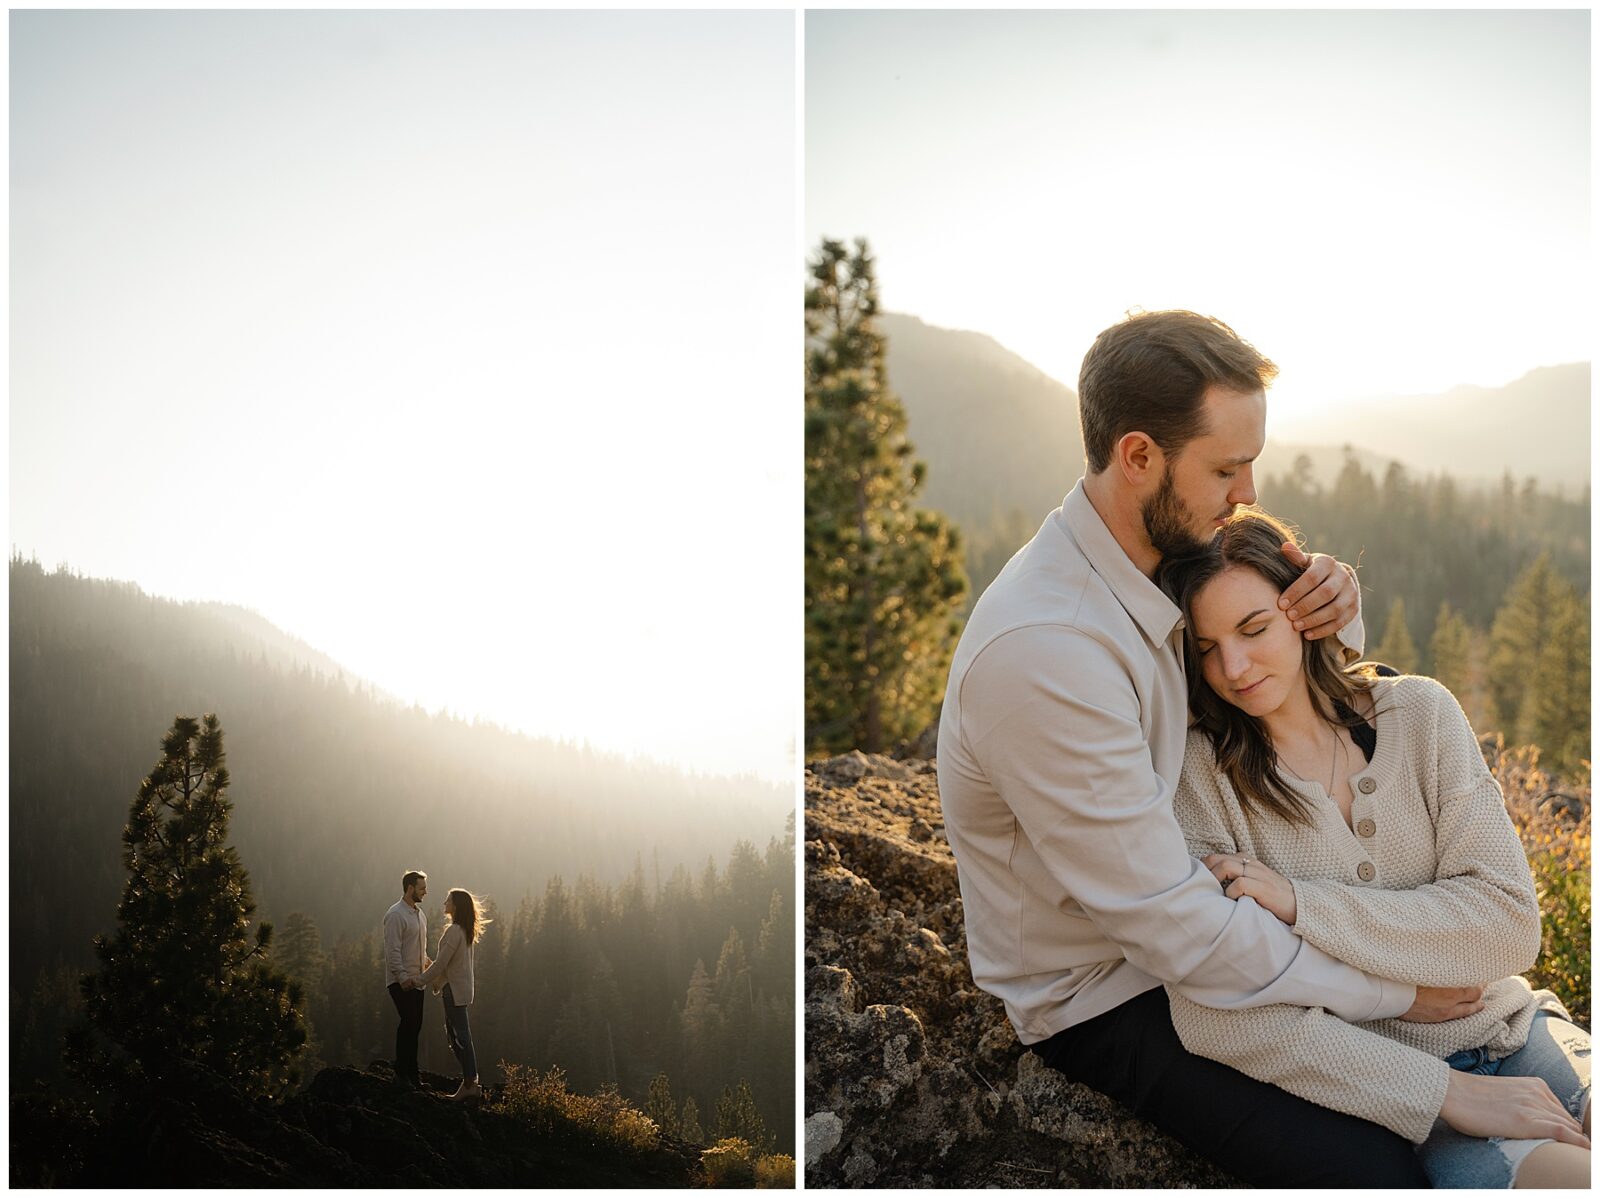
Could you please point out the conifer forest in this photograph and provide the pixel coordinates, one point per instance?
(643, 919)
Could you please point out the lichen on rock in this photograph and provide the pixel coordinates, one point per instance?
(914, 1076)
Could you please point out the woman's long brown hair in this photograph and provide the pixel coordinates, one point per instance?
(1252, 539)
(466, 912)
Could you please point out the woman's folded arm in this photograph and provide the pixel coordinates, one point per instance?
(1321, 1058)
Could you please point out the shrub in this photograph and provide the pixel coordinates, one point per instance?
(1552, 817)
(728, 1163)
(603, 1120)
(775, 1172)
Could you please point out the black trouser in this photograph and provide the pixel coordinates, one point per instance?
(1261, 1134)
(409, 1004)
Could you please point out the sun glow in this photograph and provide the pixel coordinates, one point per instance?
(1383, 202)
(452, 343)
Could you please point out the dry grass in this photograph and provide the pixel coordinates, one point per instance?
(1552, 816)
(603, 1120)
(733, 1164)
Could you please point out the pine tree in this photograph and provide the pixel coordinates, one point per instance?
(738, 1117)
(701, 1020)
(658, 1104)
(1521, 631)
(689, 1125)
(1397, 648)
(1557, 700)
(1457, 653)
(299, 951)
(1450, 651)
(182, 979)
(884, 579)
(775, 948)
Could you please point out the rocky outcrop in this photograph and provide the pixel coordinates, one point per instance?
(348, 1128)
(914, 1077)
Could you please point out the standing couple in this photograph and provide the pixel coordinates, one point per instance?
(1268, 900)
(410, 970)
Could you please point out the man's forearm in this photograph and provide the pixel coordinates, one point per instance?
(1311, 979)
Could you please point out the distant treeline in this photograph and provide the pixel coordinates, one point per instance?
(1486, 590)
(1428, 541)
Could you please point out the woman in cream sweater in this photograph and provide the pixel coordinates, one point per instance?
(1358, 810)
(452, 971)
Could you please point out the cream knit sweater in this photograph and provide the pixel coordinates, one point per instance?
(1431, 887)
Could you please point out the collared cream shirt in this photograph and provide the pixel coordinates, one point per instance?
(1060, 744)
(405, 938)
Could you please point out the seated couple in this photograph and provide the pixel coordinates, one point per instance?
(1327, 996)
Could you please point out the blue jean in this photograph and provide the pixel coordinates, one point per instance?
(458, 1033)
(1556, 1051)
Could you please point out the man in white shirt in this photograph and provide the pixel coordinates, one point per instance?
(1060, 743)
(405, 956)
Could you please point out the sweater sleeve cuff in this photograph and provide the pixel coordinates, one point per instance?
(1394, 1000)
(1420, 1122)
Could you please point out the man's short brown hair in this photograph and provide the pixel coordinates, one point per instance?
(411, 879)
(1149, 374)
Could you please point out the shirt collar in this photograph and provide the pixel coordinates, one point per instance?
(1157, 616)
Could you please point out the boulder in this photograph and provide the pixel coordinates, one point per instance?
(913, 1076)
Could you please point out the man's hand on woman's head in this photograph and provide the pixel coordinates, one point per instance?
(1323, 599)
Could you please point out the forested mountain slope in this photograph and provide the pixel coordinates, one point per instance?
(337, 790)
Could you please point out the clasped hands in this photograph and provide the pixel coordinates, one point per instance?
(1241, 876)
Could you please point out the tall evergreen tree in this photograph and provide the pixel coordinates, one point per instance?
(689, 1125)
(884, 579)
(738, 1117)
(658, 1104)
(1397, 648)
(1556, 716)
(1450, 651)
(182, 978)
(1521, 631)
(701, 1021)
(299, 950)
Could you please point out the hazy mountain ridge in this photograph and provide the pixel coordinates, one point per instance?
(1535, 426)
(1023, 452)
(1031, 427)
(1003, 444)
(337, 790)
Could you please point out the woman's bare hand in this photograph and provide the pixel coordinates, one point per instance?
(1518, 1108)
(1241, 876)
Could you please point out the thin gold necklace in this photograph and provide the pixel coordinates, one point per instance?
(1333, 765)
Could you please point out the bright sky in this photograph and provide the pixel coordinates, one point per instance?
(1383, 202)
(460, 345)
